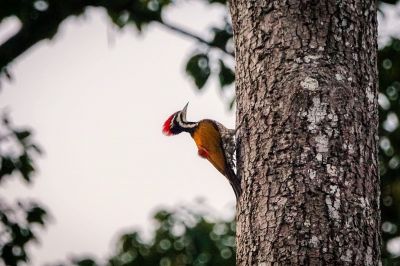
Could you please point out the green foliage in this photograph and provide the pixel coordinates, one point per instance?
(217, 1)
(181, 238)
(137, 12)
(226, 75)
(84, 262)
(220, 40)
(221, 36)
(389, 132)
(392, 2)
(18, 225)
(198, 68)
(18, 160)
(18, 221)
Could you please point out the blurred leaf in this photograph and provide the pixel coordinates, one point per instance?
(389, 1)
(232, 103)
(162, 215)
(7, 166)
(198, 68)
(223, 2)
(116, 18)
(85, 262)
(36, 215)
(25, 166)
(226, 75)
(23, 134)
(221, 37)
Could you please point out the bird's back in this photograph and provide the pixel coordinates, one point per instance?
(216, 143)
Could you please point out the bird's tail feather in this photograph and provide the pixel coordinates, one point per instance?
(235, 182)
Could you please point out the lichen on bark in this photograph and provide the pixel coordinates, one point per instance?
(306, 87)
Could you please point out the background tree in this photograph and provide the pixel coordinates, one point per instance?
(41, 19)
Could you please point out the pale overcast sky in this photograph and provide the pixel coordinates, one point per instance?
(96, 99)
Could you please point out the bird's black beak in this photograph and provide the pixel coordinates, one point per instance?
(184, 110)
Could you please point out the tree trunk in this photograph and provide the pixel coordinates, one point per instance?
(306, 80)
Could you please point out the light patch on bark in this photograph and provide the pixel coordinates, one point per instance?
(331, 170)
(348, 222)
(370, 95)
(350, 149)
(309, 83)
(316, 113)
(314, 241)
(364, 202)
(309, 58)
(338, 77)
(322, 143)
(281, 202)
(334, 119)
(329, 131)
(347, 257)
(332, 201)
(312, 173)
(368, 257)
(307, 223)
(319, 157)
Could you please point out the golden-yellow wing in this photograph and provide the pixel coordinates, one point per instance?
(209, 144)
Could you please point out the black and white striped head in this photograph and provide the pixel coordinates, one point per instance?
(177, 123)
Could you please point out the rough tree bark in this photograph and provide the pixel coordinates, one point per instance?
(306, 80)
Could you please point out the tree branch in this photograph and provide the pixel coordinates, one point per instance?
(46, 24)
(16, 45)
(193, 36)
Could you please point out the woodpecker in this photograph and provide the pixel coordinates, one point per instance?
(214, 142)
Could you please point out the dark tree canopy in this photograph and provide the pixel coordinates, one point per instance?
(203, 242)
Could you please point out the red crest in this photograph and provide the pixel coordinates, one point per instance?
(166, 129)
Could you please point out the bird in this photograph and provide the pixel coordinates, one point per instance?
(214, 142)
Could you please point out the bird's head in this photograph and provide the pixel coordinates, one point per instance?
(177, 123)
